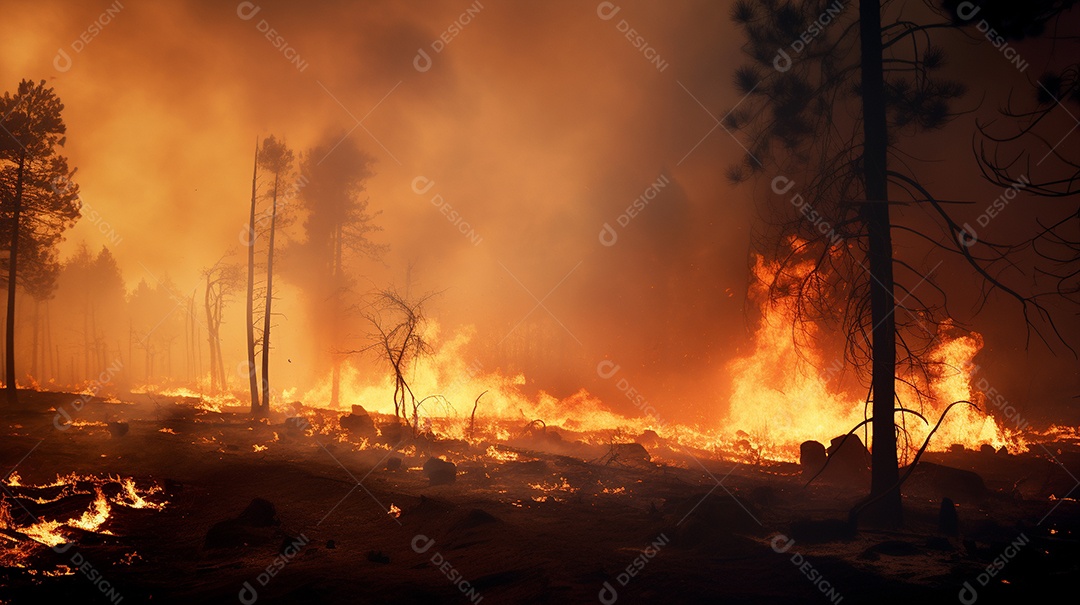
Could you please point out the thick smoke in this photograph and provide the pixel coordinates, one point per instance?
(553, 170)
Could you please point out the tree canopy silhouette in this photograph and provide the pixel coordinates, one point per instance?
(39, 199)
(831, 95)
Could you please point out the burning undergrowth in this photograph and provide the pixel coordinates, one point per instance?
(73, 509)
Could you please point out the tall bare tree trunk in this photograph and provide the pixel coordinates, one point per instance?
(9, 334)
(269, 304)
(335, 356)
(222, 376)
(887, 510)
(34, 342)
(252, 380)
(211, 333)
(46, 351)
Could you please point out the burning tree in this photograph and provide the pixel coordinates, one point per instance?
(39, 200)
(832, 92)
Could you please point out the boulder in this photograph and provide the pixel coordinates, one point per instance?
(296, 425)
(629, 454)
(254, 526)
(358, 423)
(649, 438)
(393, 432)
(948, 519)
(439, 471)
(849, 461)
(378, 556)
(260, 513)
(812, 457)
(938, 481)
(822, 531)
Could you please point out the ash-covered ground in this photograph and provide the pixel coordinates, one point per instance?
(305, 511)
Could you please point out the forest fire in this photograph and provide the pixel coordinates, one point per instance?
(520, 317)
(785, 393)
(32, 515)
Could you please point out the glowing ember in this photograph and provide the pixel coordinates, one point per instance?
(501, 456)
(131, 497)
(53, 532)
(394, 511)
(562, 485)
(95, 517)
(45, 532)
(204, 402)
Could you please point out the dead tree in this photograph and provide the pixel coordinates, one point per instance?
(249, 241)
(1026, 145)
(829, 95)
(399, 340)
(276, 158)
(221, 280)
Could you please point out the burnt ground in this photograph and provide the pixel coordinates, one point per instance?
(551, 526)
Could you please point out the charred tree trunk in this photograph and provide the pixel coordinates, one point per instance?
(211, 332)
(885, 474)
(46, 350)
(265, 409)
(34, 345)
(252, 380)
(222, 376)
(9, 334)
(335, 357)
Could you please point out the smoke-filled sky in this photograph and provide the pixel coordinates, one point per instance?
(535, 124)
